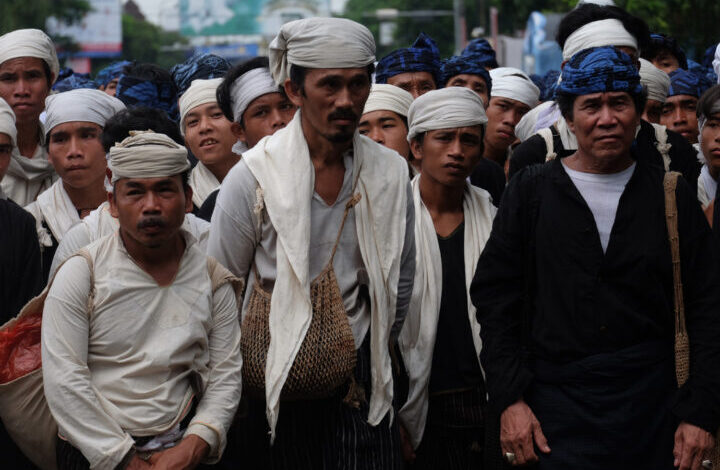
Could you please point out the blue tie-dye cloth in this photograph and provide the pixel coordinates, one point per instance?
(685, 82)
(135, 91)
(481, 51)
(457, 65)
(597, 70)
(198, 67)
(422, 56)
(111, 72)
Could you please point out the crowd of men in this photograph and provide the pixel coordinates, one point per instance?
(322, 259)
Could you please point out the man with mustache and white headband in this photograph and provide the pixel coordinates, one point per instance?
(440, 341)
(319, 219)
(208, 136)
(28, 68)
(256, 106)
(140, 335)
(587, 26)
(74, 121)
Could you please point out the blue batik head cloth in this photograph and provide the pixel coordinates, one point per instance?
(73, 81)
(481, 52)
(457, 65)
(685, 82)
(136, 91)
(198, 67)
(661, 41)
(422, 56)
(111, 72)
(598, 70)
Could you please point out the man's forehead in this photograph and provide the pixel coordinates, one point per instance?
(73, 126)
(379, 115)
(149, 182)
(21, 63)
(408, 77)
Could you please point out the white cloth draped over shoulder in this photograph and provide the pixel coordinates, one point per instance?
(7, 122)
(55, 208)
(27, 177)
(203, 182)
(282, 166)
(417, 338)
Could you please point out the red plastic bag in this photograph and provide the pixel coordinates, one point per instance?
(20, 347)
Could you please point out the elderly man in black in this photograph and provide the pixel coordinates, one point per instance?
(574, 294)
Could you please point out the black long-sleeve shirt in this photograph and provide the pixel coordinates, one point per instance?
(581, 301)
(683, 157)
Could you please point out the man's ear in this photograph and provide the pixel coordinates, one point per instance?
(238, 131)
(416, 149)
(113, 204)
(293, 92)
(188, 199)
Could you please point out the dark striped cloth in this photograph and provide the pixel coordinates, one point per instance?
(314, 434)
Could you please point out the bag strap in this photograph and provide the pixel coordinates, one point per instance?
(220, 275)
(547, 136)
(662, 145)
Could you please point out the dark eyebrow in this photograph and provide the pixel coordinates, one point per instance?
(387, 118)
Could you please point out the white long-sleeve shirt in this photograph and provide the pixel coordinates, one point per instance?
(126, 367)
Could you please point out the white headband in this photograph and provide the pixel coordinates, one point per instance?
(29, 43)
(702, 119)
(200, 92)
(514, 84)
(609, 32)
(654, 80)
(80, 105)
(7, 122)
(716, 62)
(446, 108)
(146, 154)
(320, 43)
(385, 97)
(248, 87)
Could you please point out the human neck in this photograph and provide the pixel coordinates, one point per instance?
(586, 163)
(28, 137)
(88, 198)
(496, 154)
(444, 203)
(161, 262)
(221, 168)
(323, 152)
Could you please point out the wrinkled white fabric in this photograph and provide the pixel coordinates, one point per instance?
(446, 108)
(7, 122)
(203, 182)
(716, 63)
(320, 43)
(82, 105)
(385, 97)
(707, 187)
(29, 43)
(610, 32)
(282, 166)
(417, 338)
(239, 147)
(55, 208)
(146, 154)
(654, 80)
(27, 177)
(248, 87)
(514, 84)
(200, 92)
(529, 123)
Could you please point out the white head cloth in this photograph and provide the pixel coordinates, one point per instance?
(716, 62)
(7, 122)
(29, 43)
(200, 92)
(514, 84)
(146, 154)
(320, 43)
(83, 104)
(446, 108)
(248, 87)
(655, 80)
(385, 97)
(602, 3)
(609, 32)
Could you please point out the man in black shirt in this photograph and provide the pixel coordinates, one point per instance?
(574, 292)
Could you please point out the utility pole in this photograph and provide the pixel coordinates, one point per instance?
(460, 26)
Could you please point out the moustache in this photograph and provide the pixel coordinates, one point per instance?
(343, 114)
(151, 222)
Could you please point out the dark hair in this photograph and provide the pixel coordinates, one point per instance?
(224, 97)
(707, 101)
(149, 72)
(565, 103)
(48, 74)
(588, 13)
(140, 118)
(298, 73)
(660, 43)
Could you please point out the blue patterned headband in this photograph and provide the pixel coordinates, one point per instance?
(422, 56)
(597, 70)
(457, 65)
(683, 82)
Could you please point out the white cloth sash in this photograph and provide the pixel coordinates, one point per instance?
(57, 210)
(26, 177)
(203, 182)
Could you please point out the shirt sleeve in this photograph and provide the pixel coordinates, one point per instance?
(66, 377)
(77, 237)
(407, 268)
(215, 412)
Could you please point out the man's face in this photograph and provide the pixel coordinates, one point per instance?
(666, 62)
(710, 144)
(386, 128)
(208, 134)
(150, 210)
(604, 123)
(332, 102)
(415, 83)
(24, 86)
(76, 152)
(475, 82)
(503, 115)
(5, 152)
(653, 111)
(264, 116)
(111, 87)
(678, 114)
(448, 156)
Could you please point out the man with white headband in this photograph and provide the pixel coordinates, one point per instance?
(384, 120)
(657, 84)
(440, 340)
(708, 116)
(574, 294)
(319, 220)
(140, 337)
(74, 121)
(208, 136)
(592, 26)
(28, 69)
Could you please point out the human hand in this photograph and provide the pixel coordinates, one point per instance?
(691, 445)
(184, 456)
(406, 445)
(520, 431)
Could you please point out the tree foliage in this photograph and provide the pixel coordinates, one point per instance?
(17, 14)
(145, 42)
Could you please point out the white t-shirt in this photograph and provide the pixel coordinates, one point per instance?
(602, 194)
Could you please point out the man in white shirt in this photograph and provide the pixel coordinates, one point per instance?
(140, 342)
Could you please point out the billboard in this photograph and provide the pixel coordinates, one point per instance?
(98, 34)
